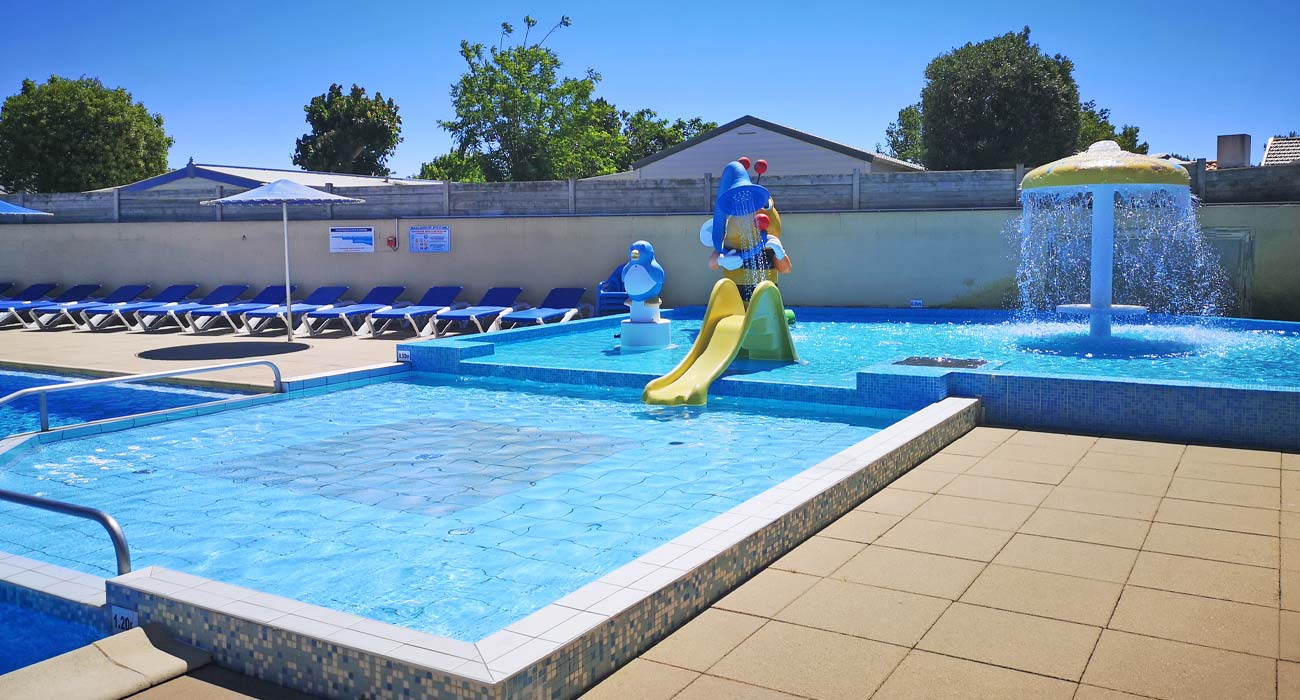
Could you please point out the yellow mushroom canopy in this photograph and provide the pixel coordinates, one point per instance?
(1105, 163)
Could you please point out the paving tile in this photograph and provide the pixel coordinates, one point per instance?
(1134, 464)
(1080, 559)
(860, 526)
(1288, 680)
(1033, 472)
(984, 432)
(1092, 692)
(915, 572)
(1290, 554)
(945, 539)
(894, 502)
(971, 511)
(1171, 670)
(1119, 505)
(1061, 455)
(1290, 590)
(810, 662)
(923, 481)
(1250, 629)
(1138, 447)
(1229, 473)
(713, 688)
(1229, 455)
(1290, 631)
(1086, 527)
(972, 445)
(766, 593)
(1220, 545)
(1212, 579)
(994, 489)
(926, 675)
(865, 611)
(1230, 494)
(1217, 516)
(1120, 482)
(818, 556)
(704, 640)
(1291, 500)
(644, 680)
(1052, 440)
(1069, 598)
(951, 463)
(1023, 642)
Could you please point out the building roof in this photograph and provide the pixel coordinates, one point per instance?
(240, 176)
(750, 120)
(1282, 150)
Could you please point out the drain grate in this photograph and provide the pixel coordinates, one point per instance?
(955, 362)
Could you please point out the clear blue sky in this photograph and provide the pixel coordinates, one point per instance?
(230, 78)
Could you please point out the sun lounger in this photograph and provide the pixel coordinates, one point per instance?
(610, 295)
(10, 311)
(4, 287)
(31, 293)
(101, 318)
(496, 303)
(197, 320)
(418, 316)
(562, 304)
(47, 320)
(322, 299)
(155, 317)
(379, 299)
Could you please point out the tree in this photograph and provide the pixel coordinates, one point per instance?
(998, 103)
(647, 134)
(69, 135)
(453, 166)
(904, 136)
(1094, 126)
(350, 133)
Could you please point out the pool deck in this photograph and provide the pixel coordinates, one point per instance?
(1020, 565)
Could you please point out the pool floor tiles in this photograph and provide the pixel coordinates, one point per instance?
(1017, 564)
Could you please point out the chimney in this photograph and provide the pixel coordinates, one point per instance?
(1234, 151)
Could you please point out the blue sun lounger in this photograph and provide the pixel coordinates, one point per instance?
(379, 299)
(322, 299)
(560, 305)
(31, 293)
(154, 317)
(10, 310)
(47, 320)
(197, 320)
(4, 287)
(418, 316)
(100, 318)
(496, 303)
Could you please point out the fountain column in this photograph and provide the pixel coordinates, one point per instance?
(1102, 273)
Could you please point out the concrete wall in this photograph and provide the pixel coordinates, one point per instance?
(953, 258)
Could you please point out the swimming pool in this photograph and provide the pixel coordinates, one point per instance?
(28, 636)
(95, 403)
(447, 506)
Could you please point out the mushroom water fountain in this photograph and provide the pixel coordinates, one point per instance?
(1073, 208)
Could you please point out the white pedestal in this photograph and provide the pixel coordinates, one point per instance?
(645, 336)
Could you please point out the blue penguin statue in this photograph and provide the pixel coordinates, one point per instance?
(643, 276)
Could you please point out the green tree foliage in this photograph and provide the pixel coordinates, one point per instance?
(453, 166)
(998, 103)
(75, 135)
(350, 133)
(1094, 126)
(647, 134)
(904, 136)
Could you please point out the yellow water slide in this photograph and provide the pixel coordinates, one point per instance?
(729, 330)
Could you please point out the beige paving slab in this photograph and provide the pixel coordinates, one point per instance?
(1290, 590)
(1062, 455)
(923, 481)
(1230, 494)
(1218, 516)
(984, 432)
(1288, 680)
(1138, 447)
(1212, 579)
(644, 680)
(994, 489)
(713, 688)
(972, 445)
(881, 614)
(1229, 455)
(1066, 557)
(810, 662)
(1250, 629)
(915, 572)
(1291, 461)
(767, 592)
(894, 502)
(1086, 527)
(1229, 473)
(1289, 525)
(1135, 464)
(1121, 482)
(1290, 554)
(926, 675)
(704, 640)
(1069, 598)
(1024, 642)
(945, 539)
(1033, 472)
(1290, 480)
(860, 526)
(1169, 670)
(1220, 545)
(1290, 631)
(818, 556)
(976, 512)
(1119, 505)
(1291, 500)
(947, 462)
(1052, 440)
(1092, 692)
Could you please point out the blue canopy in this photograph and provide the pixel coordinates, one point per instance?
(7, 209)
(282, 192)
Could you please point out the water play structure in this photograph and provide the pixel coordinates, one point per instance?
(745, 316)
(643, 279)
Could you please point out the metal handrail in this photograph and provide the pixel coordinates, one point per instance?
(50, 388)
(114, 530)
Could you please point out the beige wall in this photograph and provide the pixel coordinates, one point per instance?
(959, 258)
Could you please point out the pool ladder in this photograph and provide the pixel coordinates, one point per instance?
(120, 547)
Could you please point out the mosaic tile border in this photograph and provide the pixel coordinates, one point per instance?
(53, 590)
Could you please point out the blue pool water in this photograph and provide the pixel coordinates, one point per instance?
(83, 405)
(449, 506)
(28, 636)
(831, 352)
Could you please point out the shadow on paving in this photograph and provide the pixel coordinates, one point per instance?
(223, 351)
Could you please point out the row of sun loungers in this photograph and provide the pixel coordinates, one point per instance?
(435, 313)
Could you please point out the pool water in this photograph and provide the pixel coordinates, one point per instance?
(448, 506)
(831, 352)
(84, 405)
(28, 636)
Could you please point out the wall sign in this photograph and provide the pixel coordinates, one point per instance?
(352, 239)
(429, 239)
